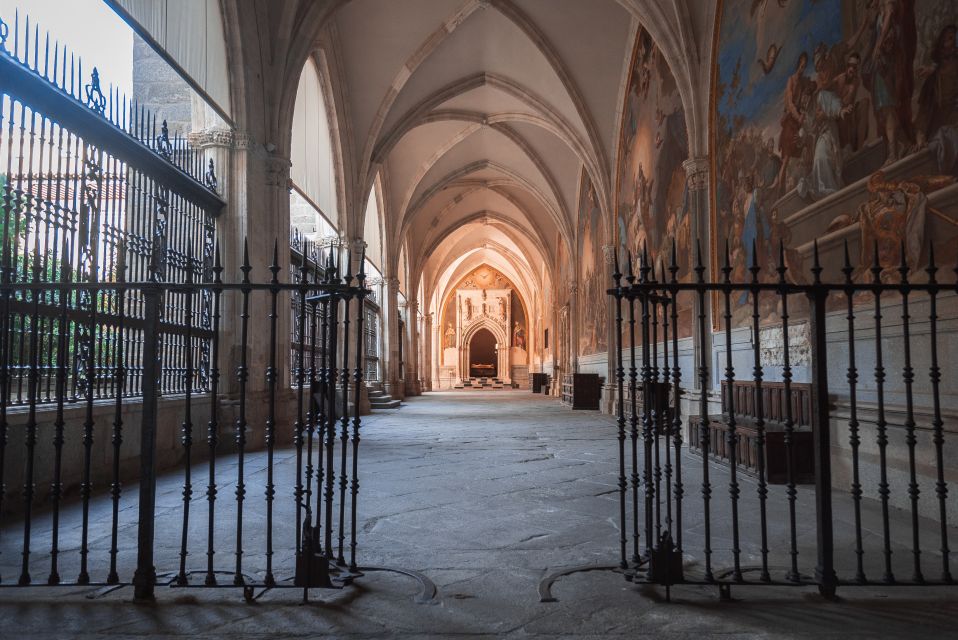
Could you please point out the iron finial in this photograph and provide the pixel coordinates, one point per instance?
(816, 263)
(212, 183)
(274, 266)
(246, 267)
(94, 95)
(932, 268)
(903, 262)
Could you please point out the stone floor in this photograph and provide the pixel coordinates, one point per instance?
(484, 493)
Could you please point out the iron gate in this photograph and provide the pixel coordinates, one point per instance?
(112, 312)
(707, 513)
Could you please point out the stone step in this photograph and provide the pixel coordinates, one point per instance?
(390, 404)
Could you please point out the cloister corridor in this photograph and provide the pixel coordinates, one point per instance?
(484, 493)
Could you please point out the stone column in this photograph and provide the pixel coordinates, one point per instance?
(227, 149)
(428, 338)
(391, 331)
(356, 247)
(413, 387)
(697, 175)
(573, 326)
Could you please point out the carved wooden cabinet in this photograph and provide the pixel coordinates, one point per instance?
(581, 390)
(774, 412)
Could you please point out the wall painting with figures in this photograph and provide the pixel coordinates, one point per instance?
(593, 277)
(652, 198)
(833, 121)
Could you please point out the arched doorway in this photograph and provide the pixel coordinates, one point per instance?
(483, 359)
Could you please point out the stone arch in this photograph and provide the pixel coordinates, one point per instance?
(498, 332)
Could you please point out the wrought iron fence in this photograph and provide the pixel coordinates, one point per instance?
(317, 548)
(677, 522)
(94, 190)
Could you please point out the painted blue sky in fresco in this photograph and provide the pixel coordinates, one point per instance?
(797, 27)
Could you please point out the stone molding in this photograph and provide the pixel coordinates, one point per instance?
(217, 137)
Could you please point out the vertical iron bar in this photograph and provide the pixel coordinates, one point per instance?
(357, 381)
(212, 427)
(331, 373)
(30, 438)
(271, 376)
(344, 415)
(664, 422)
(620, 411)
(703, 373)
(759, 404)
(908, 376)
(938, 434)
(59, 423)
(322, 422)
(854, 439)
(647, 426)
(186, 429)
(300, 395)
(731, 437)
(821, 436)
(676, 399)
(144, 578)
(242, 375)
(789, 422)
(117, 436)
(880, 423)
(633, 416)
(652, 395)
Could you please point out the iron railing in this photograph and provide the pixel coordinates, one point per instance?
(95, 191)
(755, 532)
(318, 548)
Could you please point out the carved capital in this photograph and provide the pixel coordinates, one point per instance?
(218, 137)
(393, 283)
(697, 173)
(356, 245)
(332, 242)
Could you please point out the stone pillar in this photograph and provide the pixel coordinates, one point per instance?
(391, 331)
(227, 149)
(428, 337)
(255, 186)
(573, 326)
(697, 175)
(356, 247)
(413, 386)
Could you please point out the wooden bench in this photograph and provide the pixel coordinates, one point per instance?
(774, 405)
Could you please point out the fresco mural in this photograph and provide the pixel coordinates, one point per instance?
(652, 201)
(593, 279)
(835, 121)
